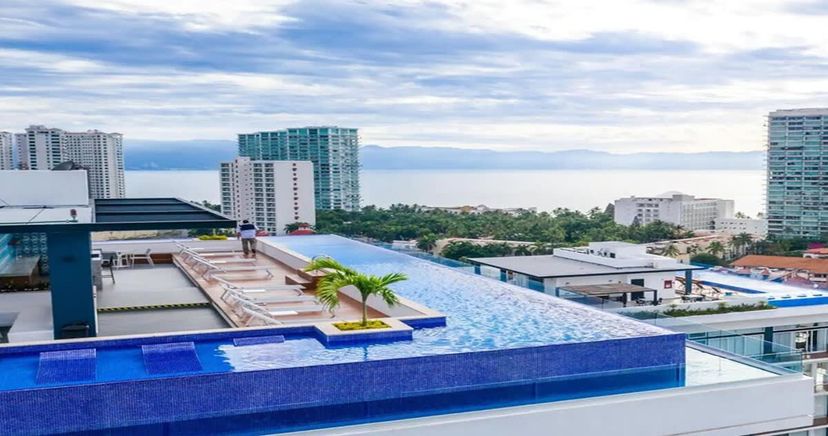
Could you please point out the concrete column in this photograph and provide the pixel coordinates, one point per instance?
(767, 345)
(688, 281)
(70, 277)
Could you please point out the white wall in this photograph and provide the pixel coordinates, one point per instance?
(44, 188)
(746, 407)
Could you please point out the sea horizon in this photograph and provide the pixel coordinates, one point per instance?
(545, 190)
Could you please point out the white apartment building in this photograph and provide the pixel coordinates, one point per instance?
(673, 207)
(102, 154)
(40, 148)
(6, 158)
(271, 194)
(734, 226)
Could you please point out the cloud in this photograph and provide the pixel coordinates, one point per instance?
(632, 75)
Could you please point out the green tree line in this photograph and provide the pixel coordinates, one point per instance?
(547, 230)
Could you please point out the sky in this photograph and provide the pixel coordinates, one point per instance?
(611, 75)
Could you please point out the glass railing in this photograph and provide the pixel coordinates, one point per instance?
(747, 349)
(752, 346)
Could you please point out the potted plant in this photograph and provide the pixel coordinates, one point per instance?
(339, 276)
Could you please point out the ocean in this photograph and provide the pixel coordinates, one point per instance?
(543, 189)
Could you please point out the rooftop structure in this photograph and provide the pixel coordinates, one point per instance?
(816, 253)
(270, 194)
(796, 203)
(599, 263)
(500, 357)
(673, 207)
(56, 203)
(333, 150)
(812, 269)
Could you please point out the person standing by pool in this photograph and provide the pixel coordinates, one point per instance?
(247, 234)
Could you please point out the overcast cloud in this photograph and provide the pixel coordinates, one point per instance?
(614, 75)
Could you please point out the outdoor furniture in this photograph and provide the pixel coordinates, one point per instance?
(188, 255)
(210, 269)
(259, 313)
(107, 269)
(118, 259)
(237, 260)
(295, 289)
(146, 256)
(265, 298)
(187, 251)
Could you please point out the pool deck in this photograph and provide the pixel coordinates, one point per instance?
(142, 300)
(349, 308)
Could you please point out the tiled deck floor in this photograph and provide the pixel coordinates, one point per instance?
(349, 309)
(159, 321)
(143, 285)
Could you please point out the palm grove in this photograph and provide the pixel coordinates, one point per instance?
(544, 230)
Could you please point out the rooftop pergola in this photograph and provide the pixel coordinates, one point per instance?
(608, 289)
(69, 245)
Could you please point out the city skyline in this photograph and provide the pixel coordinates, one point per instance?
(611, 76)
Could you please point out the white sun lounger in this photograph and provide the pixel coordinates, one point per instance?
(267, 318)
(236, 260)
(265, 298)
(211, 270)
(294, 289)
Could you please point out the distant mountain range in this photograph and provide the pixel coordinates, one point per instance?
(206, 155)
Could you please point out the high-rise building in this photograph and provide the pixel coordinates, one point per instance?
(6, 158)
(797, 152)
(680, 209)
(40, 148)
(334, 152)
(102, 154)
(271, 194)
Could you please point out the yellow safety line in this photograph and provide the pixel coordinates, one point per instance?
(155, 307)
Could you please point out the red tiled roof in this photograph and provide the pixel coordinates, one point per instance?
(817, 251)
(783, 262)
(302, 231)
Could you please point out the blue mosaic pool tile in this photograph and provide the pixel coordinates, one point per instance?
(363, 337)
(421, 323)
(170, 358)
(66, 366)
(256, 340)
(555, 371)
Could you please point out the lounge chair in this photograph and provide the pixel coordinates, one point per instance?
(270, 317)
(265, 298)
(236, 260)
(187, 251)
(145, 256)
(295, 289)
(210, 269)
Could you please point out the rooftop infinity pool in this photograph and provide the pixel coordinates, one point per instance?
(518, 345)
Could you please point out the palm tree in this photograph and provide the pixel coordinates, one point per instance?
(715, 248)
(670, 251)
(339, 276)
(740, 242)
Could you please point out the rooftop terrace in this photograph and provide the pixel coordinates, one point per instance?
(495, 345)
